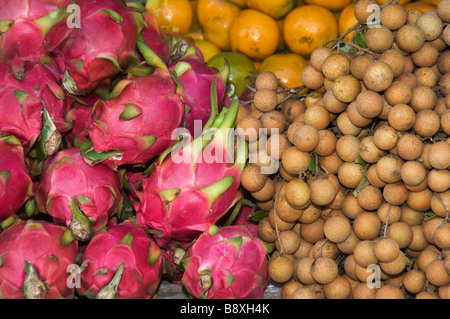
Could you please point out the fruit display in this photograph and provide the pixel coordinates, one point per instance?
(224, 146)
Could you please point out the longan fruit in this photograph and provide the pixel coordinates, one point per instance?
(266, 80)
(395, 60)
(388, 168)
(426, 295)
(265, 100)
(439, 180)
(324, 248)
(398, 93)
(420, 200)
(289, 287)
(281, 269)
(401, 117)
(426, 56)
(443, 10)
(345, 125)
(312, 232)
(252, 179)
(266, 232)
(413, 15)
(442, 236)
(444, 84)
(265, 193)
(401, 232)
(422, 98)
(410, 38)
(426, 256)
(443, 62)
(409, 78)
(295, 161)
(303, 250)
(347, 147)
(367, 226)
(346, 88)
(332, 104)
(378, 76)
(436, 273)
(290, 241)
(394, 267)
(335, 65)
(414, 281)
(386, 250)
(339, 288)
(322, 191)
(445, 122)
(379, 39)
(364, 254)
(292, 108)
(327, 143)
(388, 213)
(331, 163)
(276, 145)
(303, 270)
(317, 116)
(274, 121)
(310, 214)
(394, 16)
(277, 223)
(286, 212)
(363, 291)
(427, 76)
(304, 293)
(368, 151)
(359, 64)
(370, 198)
(385, 137)
(409, 147)
(324, 270)
(439, 155)
(249, 128)
(389, 292)
(337, 229)
(427, 123)
(418, 242)
(355, 117)
(318, 56)
(350, 174)
(298, 193)
(369, 104)
(430, 24)
(312, 78)
(373, 178)
(364, 9)
(413, 173)
(306, 138)
(437, 202)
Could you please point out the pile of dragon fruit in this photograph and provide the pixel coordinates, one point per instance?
(107, 186)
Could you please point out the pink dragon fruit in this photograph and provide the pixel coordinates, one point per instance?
(226, 263)
(78, 195)
(31, 9)
(136, 123)
(15, 183)
(101, 46)
(121, 262)
(193, 187)
(36, 261)
(243, 218)
(196, 78)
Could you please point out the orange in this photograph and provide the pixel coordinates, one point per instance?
(334, 5)
(424, 6)
(308, 27)
(287, 67)
(174, 16)
(254, 34)
(207, 48)
(241, 68)
(346, 20)
(216, 17)
(401, 1)
(275, 8)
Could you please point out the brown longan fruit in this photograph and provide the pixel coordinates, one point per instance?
(386, 250)
(339, 288)
(322, 191)
(363, 291)
(364, 9)
(439, 155)
(266, 232)
(350, 174)
(293, 127)
(443, 62)
(373, 178)
(426, 256)
(394, 267)
(348, 245)
(427, 123)
(266, 193)
(265, 100)
(394, 16)
(281, 269)
(303, 270)
(437, 202)
(395, 60)
(359, 64)
(445, 122)
(332, 104)
(286, 212)
(292, 108)
(385, 137)
(401, 232)
(266, 80)
(274, 121)
(367, 226)
(276, 145)
(368, 151)
(427, 76)
(306, 138)
(345, 126)
(298, 193)
(409, 78)
(289, 287)
(277, 223)
(401, 117)
(426, 56)
(310, 214)
(388, 213)
(249, 128)
(439, 180)
(443, 10)
(389, 167)
(317, 116)
(410, 216)
(413, 15)
(409, 147)
(430, 24)
(346, 88)
(324, 248)
(312, 232)
(444, 84)
(304, 293)
(379, 39)
(420, 200)
(355, 117)
(327, 143)
(442, 236)
(364, 254)
(422, 98)
(413, 173)
(410, 38)
(252, 179)
(312, 78)
(295, 161)
(414, 281)
(331, 163)
(398, 93)
(436, 273)
(418, 242)
(389, 292)
(369, 104)
(318, 56)
(370, 198)
(337, 229)
(378, 76)
(347, 147)
(324, 270)
(290, 241)
(335, 65)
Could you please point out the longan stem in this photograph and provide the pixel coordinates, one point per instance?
(275, 217)
(443, 205)
(387, 220)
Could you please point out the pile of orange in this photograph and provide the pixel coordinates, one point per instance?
(275, 35)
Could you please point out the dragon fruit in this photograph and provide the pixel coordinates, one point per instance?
(196, 78)
(191, 188)
(15, 182)
(36, 260)
(121, 262)
(226, 263)
(25, 34)
(173, 253)
(78, 195)
(136, 123)
(101, 46)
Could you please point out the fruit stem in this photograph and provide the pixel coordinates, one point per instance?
(275, 218)
(110, 291)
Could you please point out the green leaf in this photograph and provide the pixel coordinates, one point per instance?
(259, 215)
(359, 160)
(312, 163)
(364, 182)
(360, 39)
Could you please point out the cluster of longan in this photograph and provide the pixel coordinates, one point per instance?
(359, 206)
